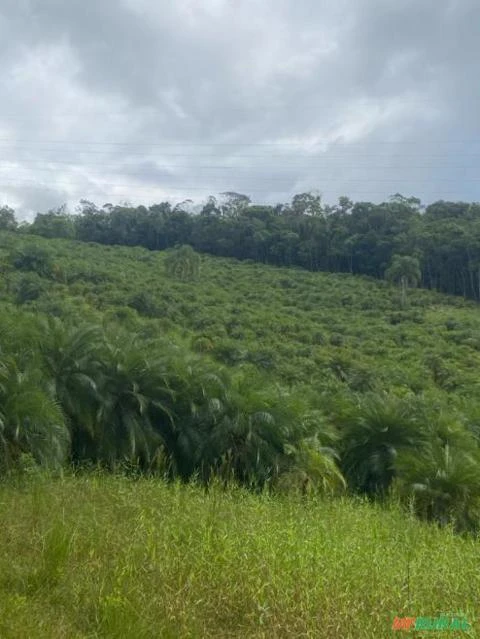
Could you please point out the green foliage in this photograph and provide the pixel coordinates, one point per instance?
(31, 422)
(374, 431)
(405, 271)
(439, 245)
(7, 219)
(33, 257)
(29, 288)
(444, 481)
(144, 304)
(182, 263)
(54, 223)
(221, 375)
(127, 401)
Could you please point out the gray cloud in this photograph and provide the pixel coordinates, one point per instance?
(146, 100)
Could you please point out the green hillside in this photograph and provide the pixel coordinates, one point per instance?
(312, 367)
(320, 329)
(312, 389)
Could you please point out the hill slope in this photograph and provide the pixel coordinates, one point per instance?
(289, 365)
(277, 378)
(306, 327)
(299, 325)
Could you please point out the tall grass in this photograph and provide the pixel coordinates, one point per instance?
(105, 556)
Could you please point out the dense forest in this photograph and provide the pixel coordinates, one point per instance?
(191, 366)
(441, 240)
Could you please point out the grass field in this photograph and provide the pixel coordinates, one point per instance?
(106, 556)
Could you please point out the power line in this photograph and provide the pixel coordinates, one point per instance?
(231, 167)
(296, 102)
(270, 157)
(279, 179)
(326, 141)
(326, 101)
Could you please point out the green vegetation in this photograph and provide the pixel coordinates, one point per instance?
(104, 556)
(183, 263)
(405, 271)
(267, 376)
(439, 244)
(254, 447)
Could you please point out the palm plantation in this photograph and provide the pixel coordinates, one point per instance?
(221, 391)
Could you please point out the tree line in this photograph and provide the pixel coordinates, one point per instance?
(442, 239)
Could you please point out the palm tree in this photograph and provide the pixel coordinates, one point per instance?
(267, 435)
(32, 257)
(444, 481)
(134, 388)
(255, 428)
(72, 358)
(30, 421)
(183, 263)
(404, 270)
(198, 405)
(314, 468)
(372, 433)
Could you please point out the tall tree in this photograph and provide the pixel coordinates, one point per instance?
(7, 219)
(307, 204)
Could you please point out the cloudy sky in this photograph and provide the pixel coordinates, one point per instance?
(147, 100)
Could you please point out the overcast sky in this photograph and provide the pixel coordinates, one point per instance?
(147, 100)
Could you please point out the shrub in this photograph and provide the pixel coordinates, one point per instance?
(33, 258)
(144, 304)
(29, 289)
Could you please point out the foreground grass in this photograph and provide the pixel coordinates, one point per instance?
(98, 556)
